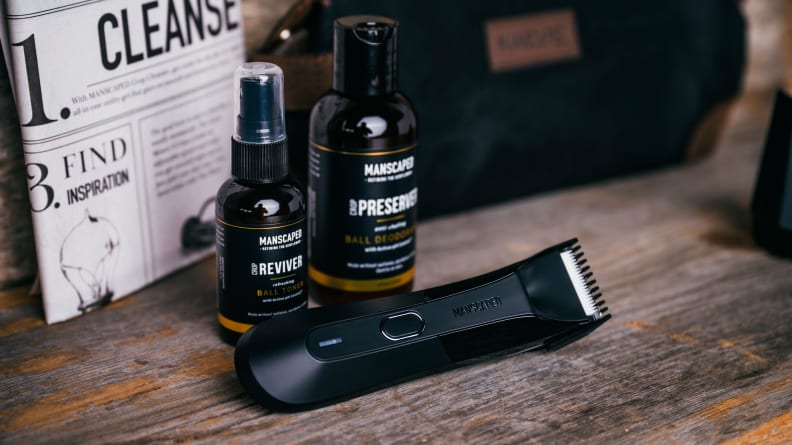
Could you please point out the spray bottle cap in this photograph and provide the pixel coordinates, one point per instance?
(259, 151)
(365, 55)
(258, 87)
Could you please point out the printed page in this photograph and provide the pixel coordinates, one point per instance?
(126, 111)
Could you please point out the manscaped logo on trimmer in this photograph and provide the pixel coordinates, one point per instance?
(477, 306)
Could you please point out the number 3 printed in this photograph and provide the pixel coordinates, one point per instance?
(46, 189)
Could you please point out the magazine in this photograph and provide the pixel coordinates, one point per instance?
(125, 109)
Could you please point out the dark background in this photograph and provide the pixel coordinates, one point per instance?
(648, 74)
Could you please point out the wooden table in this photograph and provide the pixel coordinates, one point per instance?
(699, 349)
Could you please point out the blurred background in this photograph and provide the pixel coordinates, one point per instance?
(643, 86)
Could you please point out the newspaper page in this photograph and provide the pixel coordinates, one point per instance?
(126, 111)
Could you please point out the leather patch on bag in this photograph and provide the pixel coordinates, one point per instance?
(534, 39)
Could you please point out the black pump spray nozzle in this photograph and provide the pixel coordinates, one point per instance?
(258, 146)
(259, 104)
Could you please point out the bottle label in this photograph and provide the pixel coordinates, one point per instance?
(363, 211)
(261, 272)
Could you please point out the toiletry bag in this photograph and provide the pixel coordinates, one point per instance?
(515, 98)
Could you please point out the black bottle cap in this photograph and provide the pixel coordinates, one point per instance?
(258, 147)
(365, 55)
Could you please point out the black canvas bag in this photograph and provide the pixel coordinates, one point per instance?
(537, 114)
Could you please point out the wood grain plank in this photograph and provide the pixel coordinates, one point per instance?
(775, 431)
(698, 350)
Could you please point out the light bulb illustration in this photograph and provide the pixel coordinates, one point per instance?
(88, 258)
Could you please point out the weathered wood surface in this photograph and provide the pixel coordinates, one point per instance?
(698, 351)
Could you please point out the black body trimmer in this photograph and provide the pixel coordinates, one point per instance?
(322, 355)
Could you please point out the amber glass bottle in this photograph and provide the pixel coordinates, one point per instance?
(362, 192)
(260, 212)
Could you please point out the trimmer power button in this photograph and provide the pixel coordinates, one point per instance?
(400, 326)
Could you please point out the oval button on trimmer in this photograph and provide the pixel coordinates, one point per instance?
(404, 325)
